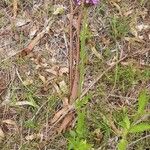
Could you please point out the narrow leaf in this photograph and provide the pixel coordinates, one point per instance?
(139, 128)
(127, 122)
(122, 145)
(142, 102)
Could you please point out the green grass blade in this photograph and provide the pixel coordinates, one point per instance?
(139, 128)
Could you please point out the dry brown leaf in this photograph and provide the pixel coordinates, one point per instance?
(27, 82)
(114, 3)
(36, 40)
(21, 22)
(63, 87)
(52, 71)
(63, 70)
(65, 101)
(59, 114)
(57, 88)
(33, 31)
(2, 135)
(126, 14)
(10, 122)
(34, 136)
(42, 78)
(66, 122)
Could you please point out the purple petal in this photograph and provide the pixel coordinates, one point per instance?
(91, 2)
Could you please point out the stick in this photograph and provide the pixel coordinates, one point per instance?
(100, 76)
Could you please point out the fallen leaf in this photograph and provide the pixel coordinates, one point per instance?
(2, 135)
(33, 31)
(27, 82)
(65, 123)
(21, 22)
(34, 136)
(52, 71)
(63, 87)
(9, 121)
(65, 101)
(57, 88)
(141, 27)
(43, 79)
(59, 114)
(63, 70)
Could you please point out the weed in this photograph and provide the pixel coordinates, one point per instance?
(77, 138)
(132, 125)
(119, 27)
(126, 77)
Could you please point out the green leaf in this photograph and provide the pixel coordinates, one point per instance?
(82, 102)
(72, 134)
(81, 127)
(122, 145)
(83, 145)
(142, 102)
(139, 128)
(127, 121)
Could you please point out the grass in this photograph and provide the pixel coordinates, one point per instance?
(119, 27)
(110, 116)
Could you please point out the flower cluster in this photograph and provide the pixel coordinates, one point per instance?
(90, 2)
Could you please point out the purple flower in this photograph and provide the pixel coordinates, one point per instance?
(90, 2)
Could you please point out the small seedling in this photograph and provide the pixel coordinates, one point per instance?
(77, 138)
(132, 127)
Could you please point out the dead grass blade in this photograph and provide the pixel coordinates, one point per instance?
(15, 8)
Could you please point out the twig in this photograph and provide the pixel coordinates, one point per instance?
(100, 76)
(111, 67)
(142, 138)
(35, 41)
